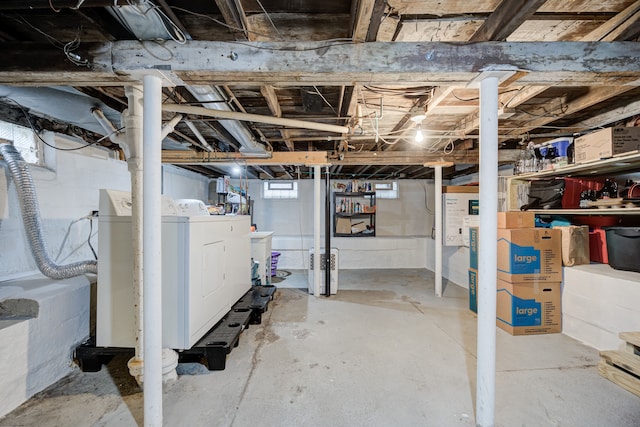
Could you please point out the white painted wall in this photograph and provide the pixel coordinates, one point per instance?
(403, 228)
(179, 183)
(67, 193)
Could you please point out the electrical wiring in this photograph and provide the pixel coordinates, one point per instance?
(325, 99)
(53, 8)
(453, 147)
(66, 237)
(67, 48)
(268, 17)
(383, 90)
(89, 238)
(35, 131)
(217, 21)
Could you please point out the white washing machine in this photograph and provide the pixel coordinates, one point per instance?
(206, 268)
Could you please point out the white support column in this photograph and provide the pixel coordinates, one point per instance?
(438, 237)
(317, 213)
(487, 250)
(152, 257)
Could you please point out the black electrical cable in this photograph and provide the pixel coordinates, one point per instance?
(33, 128)
(89, 238)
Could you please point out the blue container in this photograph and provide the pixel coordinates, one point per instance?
(561, 144)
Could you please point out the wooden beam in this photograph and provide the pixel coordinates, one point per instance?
(198, 61)
(377, 15)
(286, 136)
(302, 158)
(362, 19)
(505, 19)
(415, 157)
(269, 94)
(430, 63)
(595, 96)
(439, 94)
(611, 30)
(510, 99)
(234, 17)
(600, 120)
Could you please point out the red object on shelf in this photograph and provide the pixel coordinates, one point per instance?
(574, 186)
(598, 246)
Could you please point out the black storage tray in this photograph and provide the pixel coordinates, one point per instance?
(623, 248)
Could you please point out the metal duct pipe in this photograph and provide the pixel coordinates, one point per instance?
(31, 218)
(215, 101)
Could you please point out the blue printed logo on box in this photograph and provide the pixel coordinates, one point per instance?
(525, 312)
(473, 248)
(473, 290)
(523, 259)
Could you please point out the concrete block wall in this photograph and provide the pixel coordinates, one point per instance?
(599, 302)
(37, 351)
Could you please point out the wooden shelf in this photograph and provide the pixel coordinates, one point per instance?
(354, 215)
(609, 211)
(616, 164)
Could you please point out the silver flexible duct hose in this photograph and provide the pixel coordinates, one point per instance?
(31, 218)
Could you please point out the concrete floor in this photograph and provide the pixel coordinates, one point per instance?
(382, 352)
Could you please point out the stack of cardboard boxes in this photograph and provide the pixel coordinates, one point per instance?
(529, 275)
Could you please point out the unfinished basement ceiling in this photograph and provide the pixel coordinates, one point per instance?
(68, 42)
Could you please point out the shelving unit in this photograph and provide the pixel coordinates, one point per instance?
(354, 214)
(623, 163)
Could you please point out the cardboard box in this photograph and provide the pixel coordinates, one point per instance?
(529, 254)
(358, 227)
(473, 247)
(468, 221)
(343, 226)
(529, 308)
(606, 143)
(516, 220)
(473, 290)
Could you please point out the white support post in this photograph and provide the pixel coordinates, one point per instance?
(152, 257)
(317, 211)
(487, 253)
(133, 123)
(438, 237)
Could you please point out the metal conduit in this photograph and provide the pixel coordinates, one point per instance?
(31, 218)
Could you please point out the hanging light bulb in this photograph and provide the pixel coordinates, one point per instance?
(419, 136)
(417, 118)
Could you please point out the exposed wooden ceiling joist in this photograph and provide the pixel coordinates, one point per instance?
(505, 19)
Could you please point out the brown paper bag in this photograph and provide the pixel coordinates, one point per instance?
(575, 245)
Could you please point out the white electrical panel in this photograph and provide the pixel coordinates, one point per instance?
(333, 280)
(206, 268)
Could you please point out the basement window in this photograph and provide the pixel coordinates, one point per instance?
(280, 190)
(386, 190)
(25, 141)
